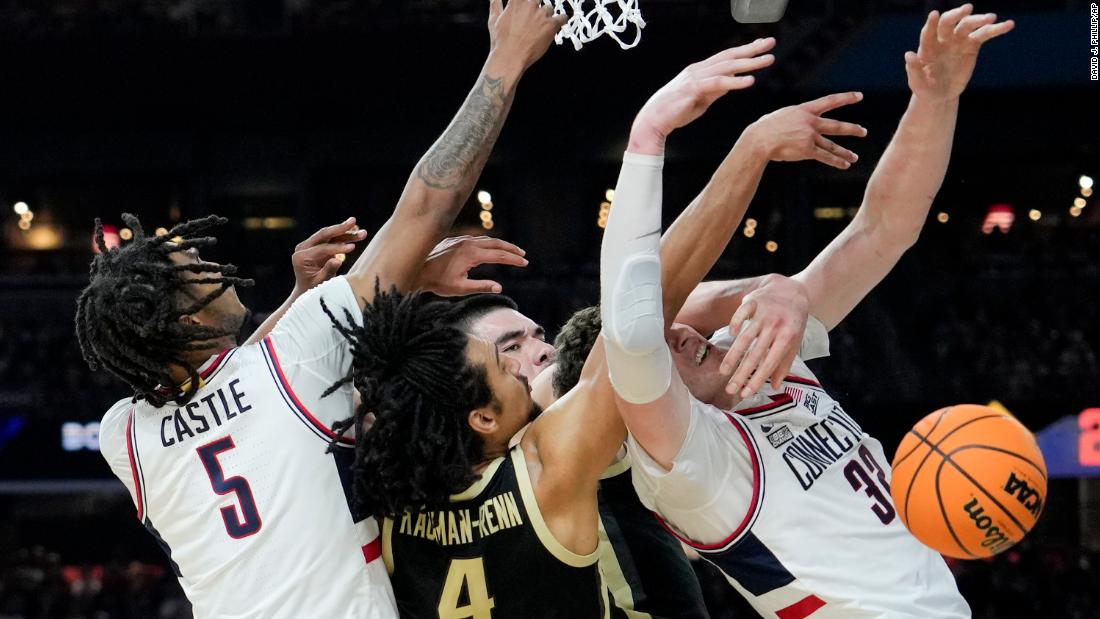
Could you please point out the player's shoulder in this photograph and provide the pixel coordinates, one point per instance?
(113, 428)
(118, 412)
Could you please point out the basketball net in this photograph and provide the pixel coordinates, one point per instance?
(589, 19)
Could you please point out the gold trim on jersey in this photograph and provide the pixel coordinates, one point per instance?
(479, 485)
(387, 544)
(614, 580)
(617, 467)
(534, 514)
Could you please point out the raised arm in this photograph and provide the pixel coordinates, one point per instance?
(443, 179)
(907, 178)
(653, 400)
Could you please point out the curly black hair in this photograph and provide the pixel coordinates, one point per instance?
(573, 344)
(409, 365)
(127, 318)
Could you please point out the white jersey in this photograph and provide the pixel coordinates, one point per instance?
(790, 499)
(237, 486)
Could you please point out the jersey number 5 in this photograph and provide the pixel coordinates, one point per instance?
(859, 477)
(466, 575)
(248, 522)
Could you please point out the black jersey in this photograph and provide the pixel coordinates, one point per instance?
(489, 555)
(648, 573)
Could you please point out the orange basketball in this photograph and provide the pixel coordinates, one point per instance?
(969, 481)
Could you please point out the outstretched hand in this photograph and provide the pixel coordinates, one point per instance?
(319, 257)
(768, 328)
(447, 270)
(523, 30)
(949, 43)
(797, 132)
(690, 93)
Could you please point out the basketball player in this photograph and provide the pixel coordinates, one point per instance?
(223, 448)
(786, 495)
(475, 527)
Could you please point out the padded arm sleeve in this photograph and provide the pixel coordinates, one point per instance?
(638, 360)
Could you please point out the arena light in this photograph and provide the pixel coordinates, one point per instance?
(161, 231)
(771, 246)
(1085, 181)
(1034, 214)
(24, 225)
(486, 216)
(750, 232)
(43, 238)
(1074, 211)
(1079, 202)
(488, 225)
(750, 223)
(1086, 191)
(21, 208)
(1000, 217)
(829, 212)
(942, 217)
(27, 217)
(609, 195)
(484, 196)
(605, 212)
(125, 234)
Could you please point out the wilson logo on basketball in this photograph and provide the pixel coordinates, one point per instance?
(994, 537)
(1025, 494)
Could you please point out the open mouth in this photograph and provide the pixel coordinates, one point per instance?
(701, 354)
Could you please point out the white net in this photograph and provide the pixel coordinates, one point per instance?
(589, 19)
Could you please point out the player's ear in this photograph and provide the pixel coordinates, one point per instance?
(483, 420)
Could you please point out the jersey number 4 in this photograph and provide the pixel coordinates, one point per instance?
(236, 525)
(859, 476)
(466, 575)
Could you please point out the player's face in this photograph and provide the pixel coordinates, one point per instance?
(224, 312)
(698, 361)
(516, 337)
(512, 407)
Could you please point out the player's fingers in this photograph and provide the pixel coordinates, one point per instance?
(739, 65)
(829, 126)
(928, 40)
(784, 369)
(488, 242)
(751, 362)
(830, 159)
(353, 236)
(970, 23)
(950, 19)
(331, 267)
(991, 31)
(496, 7)
(757, 47)
(739, 347)
(832, 102)
(475, 286)
(327, 232)
(776, 352)
(497, 256)
(745, 311)
(836, 149)
(717, 86)
(324, 251)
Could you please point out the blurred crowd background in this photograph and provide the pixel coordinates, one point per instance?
(287, 115)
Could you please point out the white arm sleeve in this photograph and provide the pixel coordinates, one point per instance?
(638, 360)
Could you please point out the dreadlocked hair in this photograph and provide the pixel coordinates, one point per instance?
(573, 344)
(409, 365)
(127, 318)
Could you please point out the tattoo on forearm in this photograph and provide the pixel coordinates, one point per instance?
(466, 143)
